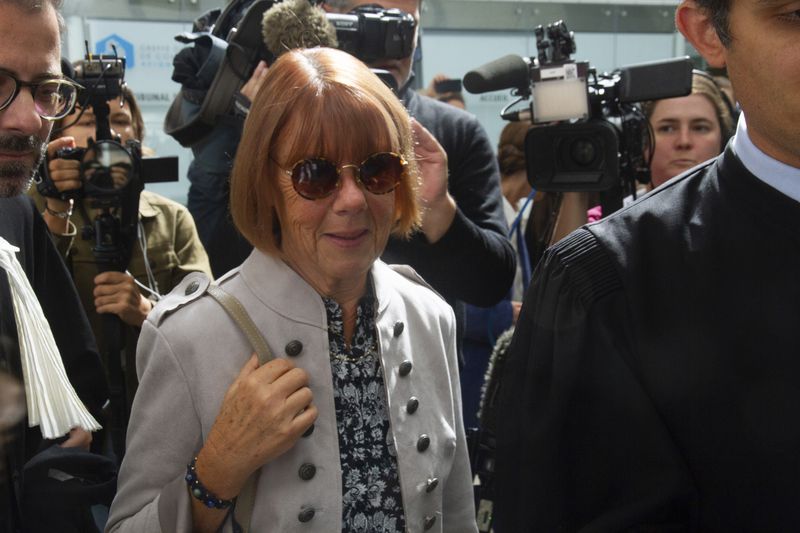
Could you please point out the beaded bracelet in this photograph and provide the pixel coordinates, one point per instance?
(200, 492)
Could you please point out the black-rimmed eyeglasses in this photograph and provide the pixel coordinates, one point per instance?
(52, 98)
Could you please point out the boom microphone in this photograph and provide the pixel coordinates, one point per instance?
(511, 71)
(296, 24)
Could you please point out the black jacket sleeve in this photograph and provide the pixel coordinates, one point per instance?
(581, 446)
(474, 261)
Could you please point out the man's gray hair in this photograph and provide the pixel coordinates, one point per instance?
(38, 4)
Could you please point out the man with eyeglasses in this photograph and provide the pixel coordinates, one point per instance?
(33, 93)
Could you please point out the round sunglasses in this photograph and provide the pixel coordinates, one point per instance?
(314, 178)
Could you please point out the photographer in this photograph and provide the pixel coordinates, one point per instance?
(167, 248)
(445, 89)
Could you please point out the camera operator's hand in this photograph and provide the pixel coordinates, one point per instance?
(66, 176)
(439, 208)
(117, 293)
(251, 87)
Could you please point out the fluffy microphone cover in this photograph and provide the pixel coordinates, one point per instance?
(296, 24)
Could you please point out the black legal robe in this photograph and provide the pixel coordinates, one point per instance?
(23, 227)
(654, 377)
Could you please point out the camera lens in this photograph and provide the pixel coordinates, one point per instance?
(583, 152)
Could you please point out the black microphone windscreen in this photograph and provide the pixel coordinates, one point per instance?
(296, 24)
(504, 73)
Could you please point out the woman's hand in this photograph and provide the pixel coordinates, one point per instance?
(264, 412)
(439, 208)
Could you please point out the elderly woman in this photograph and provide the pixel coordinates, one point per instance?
(356, 426)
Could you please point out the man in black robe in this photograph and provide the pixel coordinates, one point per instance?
(653, 383)
(30, 53)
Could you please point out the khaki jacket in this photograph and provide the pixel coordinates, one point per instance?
(190, 351)
(173, 251)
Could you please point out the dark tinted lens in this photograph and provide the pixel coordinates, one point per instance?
(314, 178)
(381, 173)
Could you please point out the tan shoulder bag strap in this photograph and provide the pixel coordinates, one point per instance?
(243, 510)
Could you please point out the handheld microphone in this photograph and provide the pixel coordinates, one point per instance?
(296, 24)
(511, 71)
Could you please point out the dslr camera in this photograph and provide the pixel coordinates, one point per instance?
(112, 174)
(588, 132)
(109, 170)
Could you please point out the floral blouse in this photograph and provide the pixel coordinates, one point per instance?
(372, 502)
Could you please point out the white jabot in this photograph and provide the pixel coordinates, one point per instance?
(52, 402)
(785, 178)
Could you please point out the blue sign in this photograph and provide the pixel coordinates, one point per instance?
(124, 48)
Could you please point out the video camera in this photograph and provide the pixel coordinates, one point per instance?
(588, 134)
(227, 44)
(371, 32)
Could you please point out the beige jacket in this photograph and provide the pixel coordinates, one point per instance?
(173, 251)
(190, 351)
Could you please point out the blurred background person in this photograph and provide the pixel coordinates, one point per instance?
(535, 223)
(447, 90)
(367, 353)
(485, 324)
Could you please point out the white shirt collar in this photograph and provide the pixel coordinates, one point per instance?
(785, 178)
